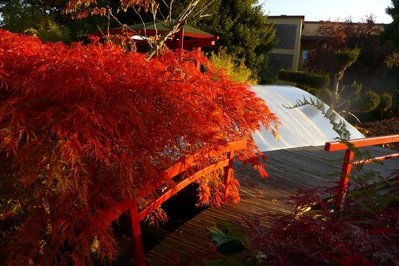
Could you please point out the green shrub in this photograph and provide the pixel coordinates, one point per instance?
(392, 60)
(366, 103)
(305, 79)
(49, 31)
(344, 58)
(233, 67)
(386, 102)
(352, 91)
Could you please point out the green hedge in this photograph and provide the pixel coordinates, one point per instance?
(305, 79)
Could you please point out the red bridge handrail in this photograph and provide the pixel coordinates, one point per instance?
(358, 143)
(180, 167)
(110, 214)
(349, 158)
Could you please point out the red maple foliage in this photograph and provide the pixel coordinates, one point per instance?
(84, 127)
(366, 232)
(84, 8)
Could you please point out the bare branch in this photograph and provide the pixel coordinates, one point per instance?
(124, 25)
(144, 28)
(199, 14)
(170, 11)
(174, 27)
(100, 30)
(108, 22)
(204, 16)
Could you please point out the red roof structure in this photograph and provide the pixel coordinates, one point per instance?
(187, 38)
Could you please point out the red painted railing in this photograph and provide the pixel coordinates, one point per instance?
(349, 159)
(109, 215)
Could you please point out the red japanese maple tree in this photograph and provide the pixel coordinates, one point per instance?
(84, 127)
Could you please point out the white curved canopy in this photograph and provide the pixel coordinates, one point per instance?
(303, 126)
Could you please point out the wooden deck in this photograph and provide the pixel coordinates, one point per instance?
(289, 170)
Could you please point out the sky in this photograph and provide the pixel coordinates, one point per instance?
(316, 10)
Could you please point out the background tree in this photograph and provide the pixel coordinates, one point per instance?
(46, 20)
(392, 30)
(33, 17)
(243, 29)
(369, 68)
(392, 36)
(339, 41)
(343, 59)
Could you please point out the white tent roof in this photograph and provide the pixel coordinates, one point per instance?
(303, 126)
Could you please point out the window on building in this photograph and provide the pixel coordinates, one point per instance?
(279, 61)
(304, 55)
(286, 36)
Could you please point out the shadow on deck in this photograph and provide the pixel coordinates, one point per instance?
(289, 170)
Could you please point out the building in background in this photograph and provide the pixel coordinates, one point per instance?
(310, 35)
(287, 52)
(295, 37)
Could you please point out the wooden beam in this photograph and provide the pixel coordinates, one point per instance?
(358, 143)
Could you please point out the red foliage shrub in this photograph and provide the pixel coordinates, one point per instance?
(366, 232)
(85, 127)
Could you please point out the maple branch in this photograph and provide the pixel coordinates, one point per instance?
(143, 23)
(170, 10)
(199, 14)
(174, 27)
(144, 37)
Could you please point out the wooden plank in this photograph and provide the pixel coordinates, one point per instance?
(289, 170)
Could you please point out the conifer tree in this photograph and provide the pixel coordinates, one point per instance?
(392, 30)
(243, 29)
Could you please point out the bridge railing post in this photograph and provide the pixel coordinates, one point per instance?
(138, 249)
(228, 173)
(349, 148)
(344, 178)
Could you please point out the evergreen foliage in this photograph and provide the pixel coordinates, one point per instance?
(367, 103)
(392, 30)
(392, 61)
(45, 19)
(243, 30)
(344, 58)
(386, 101)
(307, 80)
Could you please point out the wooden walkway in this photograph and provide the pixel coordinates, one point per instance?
(289, 170)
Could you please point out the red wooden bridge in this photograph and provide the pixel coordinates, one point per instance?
(289, 170)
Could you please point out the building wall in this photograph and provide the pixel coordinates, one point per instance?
(287, 52)
(310, 36)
